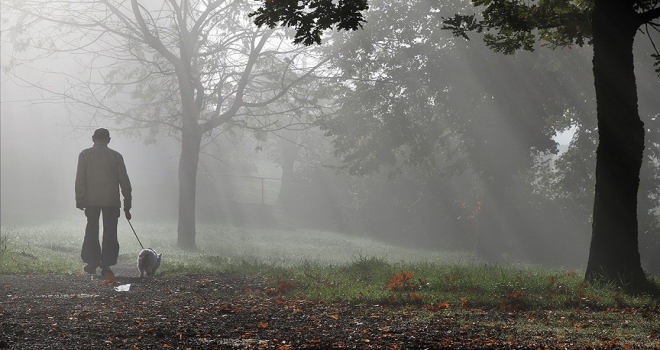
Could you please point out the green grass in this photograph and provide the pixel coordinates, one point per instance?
(449, 288)
(325, 266)
(221, 248)
(461, 286)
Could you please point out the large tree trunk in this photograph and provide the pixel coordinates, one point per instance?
(614, 252)
(191, 139)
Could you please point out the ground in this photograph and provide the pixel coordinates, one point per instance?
(227, 312)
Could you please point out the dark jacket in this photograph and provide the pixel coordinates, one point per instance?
(101, 172)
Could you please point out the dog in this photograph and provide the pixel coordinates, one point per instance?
(148, 262)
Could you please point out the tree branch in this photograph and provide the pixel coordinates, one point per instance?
(649, 16)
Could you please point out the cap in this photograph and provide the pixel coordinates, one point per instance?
(101, 134)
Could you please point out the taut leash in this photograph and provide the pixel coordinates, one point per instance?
(136, 236)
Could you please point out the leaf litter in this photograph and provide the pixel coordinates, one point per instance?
(228, 312)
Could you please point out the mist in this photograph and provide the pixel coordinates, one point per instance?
(491, 163)
(39, 156)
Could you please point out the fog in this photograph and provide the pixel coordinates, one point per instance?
(293, 179)
(40, 151)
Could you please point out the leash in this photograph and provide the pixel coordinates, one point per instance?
(136, 236)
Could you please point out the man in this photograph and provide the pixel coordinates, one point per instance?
(101, 173)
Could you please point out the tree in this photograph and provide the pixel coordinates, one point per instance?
(411, 96)
(189, 69)
(610, 27)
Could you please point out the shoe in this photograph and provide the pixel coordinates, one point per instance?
(90, 269)
(106, 272)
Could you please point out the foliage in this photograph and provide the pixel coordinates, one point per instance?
(406, 100)
(310, 18)
(515, 25)
(520, 25)
(419, 105)
(614, 253)
(401, 281)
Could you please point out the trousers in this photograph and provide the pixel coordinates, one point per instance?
(101, 254)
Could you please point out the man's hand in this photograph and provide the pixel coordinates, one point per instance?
(128, 214)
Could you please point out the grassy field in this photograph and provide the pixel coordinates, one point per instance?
(323, 265)
(450, 290)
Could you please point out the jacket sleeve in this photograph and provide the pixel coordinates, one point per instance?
(81, 181)
(125, 184)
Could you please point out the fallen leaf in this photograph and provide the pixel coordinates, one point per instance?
(439, 306)
(464, 302)
(106, 282)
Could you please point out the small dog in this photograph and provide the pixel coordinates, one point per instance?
(148, 262)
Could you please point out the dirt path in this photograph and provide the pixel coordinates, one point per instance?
(229, 312)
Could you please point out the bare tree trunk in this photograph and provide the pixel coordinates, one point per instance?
(614, 252)
(191, 139)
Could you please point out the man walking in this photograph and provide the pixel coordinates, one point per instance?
(101, 173)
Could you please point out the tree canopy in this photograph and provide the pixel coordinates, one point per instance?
(310, 18)
(610, 27)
